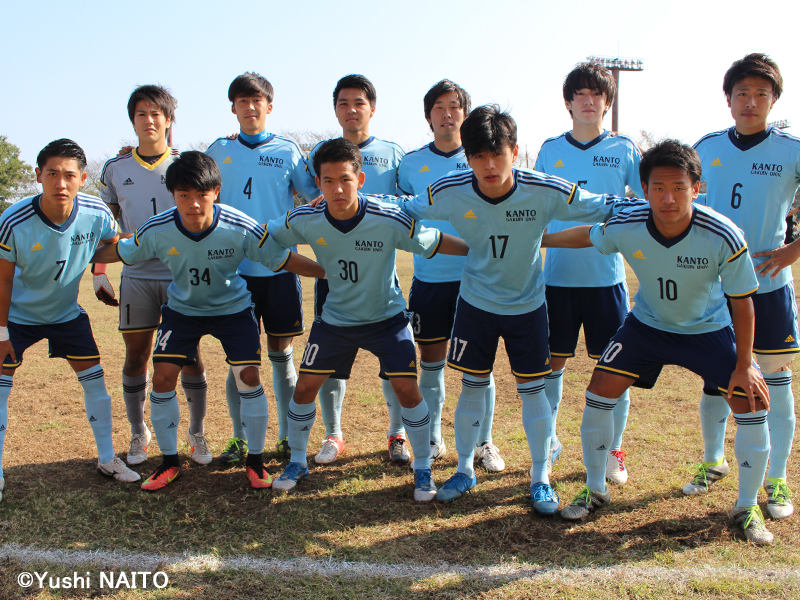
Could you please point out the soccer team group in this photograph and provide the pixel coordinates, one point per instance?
(209, 248)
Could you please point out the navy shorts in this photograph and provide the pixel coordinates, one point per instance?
(277, 303)
(433, 310)
(776, 322)
(72, 340)
(331, 350)
(321, 290)
(601, 311)
(639, 351)
(178, 336)
(476, 332)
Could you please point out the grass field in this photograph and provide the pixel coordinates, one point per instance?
(353, 530)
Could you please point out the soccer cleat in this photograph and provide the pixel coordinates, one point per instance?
(163, 476)
(707, 474)
(455, 487)
(199, 448)
(615, 467)
(235, 451)
(284, 452)
(332, 447)
(287, 480)
(424, 487)
(258, 480)
(779, 505)
(584, 503)
(118, 470)
(398, 450)
(438, 450)
(751, 522)
(490, 458)
(544, 499)
(552, 458)
(137, 453)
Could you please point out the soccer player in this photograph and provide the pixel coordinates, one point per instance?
(688, 259)
(434, 291)
(355, 239)
(202, 243)
(259, 172)
(501, 213)
(46, 242)
(585, 287)
(354, 102)
(753, 171)
(133, 186)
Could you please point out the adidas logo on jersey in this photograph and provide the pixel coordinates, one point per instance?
(37, 246)
(128, 181)
(173, 251)
(716, 163)
(2, 427)
(92, 419)
(322, 242)
(470, 215)
(746, 465)
(789, 339)
(558, 164)
(638, 254)
(425, 169)
(227, 161)
(163, 180)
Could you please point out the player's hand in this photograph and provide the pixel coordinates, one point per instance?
(752, 383)
(233, 136)
(104, 290)
(7, 349)
(125, 150)
(316, 201)
(777, 259)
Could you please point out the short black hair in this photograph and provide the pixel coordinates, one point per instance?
(62, 148)
(338, 150)
(250, 84)
(488, 129)
(445, 86)
(193, 171)
(753, 65)
(156, 95)
(592, 76)
(670, 153)
(358, 82)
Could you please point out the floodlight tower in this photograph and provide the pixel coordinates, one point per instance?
(615, 65)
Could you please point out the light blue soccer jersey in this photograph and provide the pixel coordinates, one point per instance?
(604, 165)
(381, 161)
(51, 258)
(753, 185)
(503, 271)
(418, 170)
(257, 179)
(358, 256)
(204, 266)
(682, 281)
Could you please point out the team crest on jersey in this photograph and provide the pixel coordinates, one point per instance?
(692, 262)
(223, 253)
(425, 169)
(605, 161)
(558, 164)
(638, 254)
(789, 340)
(527, 214)
(322, 242)
(470, 215)
(270, 161)
(716, 163)
(227, 161)
(173, 251)
(128, 181)
(369, 245)
(81, 238)
(770, 169)
(36, 247)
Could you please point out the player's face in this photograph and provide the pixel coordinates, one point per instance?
(196, 208)
(750, 103)
(61, 178)
(447, 116)
(251, 112)
(587, 106)
(670, 193)
(494, 172)
(339, 184)
(149, 122)
(353, 110)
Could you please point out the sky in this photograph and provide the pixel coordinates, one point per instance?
(69, 67)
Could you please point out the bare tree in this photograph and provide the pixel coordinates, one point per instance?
(307, 139)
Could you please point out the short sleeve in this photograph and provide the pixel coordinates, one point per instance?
(108, 192)
(424, 241)
(136, 249)
(600, 240)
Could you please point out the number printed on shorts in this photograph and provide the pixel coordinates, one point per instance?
(611, 352)
(309, 354)
(454, 346)
(161, 340)
(416, 326)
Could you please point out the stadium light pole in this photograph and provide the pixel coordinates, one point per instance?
(615, 65)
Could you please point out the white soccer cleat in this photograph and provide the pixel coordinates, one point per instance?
(438, 450)
(199, 448)
(490, 458)
(332, 447)
(779, 505)
(615, 467)
(707, 474)
(118, 470)
(137, 453)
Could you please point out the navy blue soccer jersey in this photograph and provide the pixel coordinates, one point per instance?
(381, 161)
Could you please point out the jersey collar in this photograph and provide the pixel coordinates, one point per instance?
(350, 224)
(668, 243)
(197, 237)
(254, 145)
(60, 228)
(587, 145)
(432, 147)
(146, 164)
(495, 201)
(753, 143)
(366, 142)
